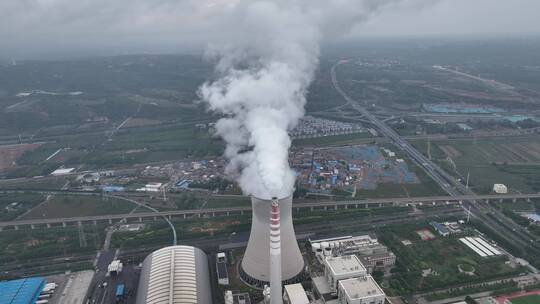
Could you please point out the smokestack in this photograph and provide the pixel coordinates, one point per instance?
(255, 269)
(275, 254)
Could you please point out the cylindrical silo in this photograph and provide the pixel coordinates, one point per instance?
(255, 266)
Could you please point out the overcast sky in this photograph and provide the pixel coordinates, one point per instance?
(41, 28)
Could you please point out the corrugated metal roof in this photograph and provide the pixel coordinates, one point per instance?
(173, 277)
(23, 291)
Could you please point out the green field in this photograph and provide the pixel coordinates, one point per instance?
(71, 206)
(531, 299)
(23, 245)
(440, 255)
(514, 162)
(26, 202)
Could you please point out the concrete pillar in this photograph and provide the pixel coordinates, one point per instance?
(500, 200)
(298, 209)
(366, 205)
(325, 208)
(64, 224)
(346, 206)
(16, 227)
(514, 200)
(79, 223)
(1, 229)
(213, 214)
(311, 208)
(487, 201)
(380, 205)
(155, 218)
(528, 200)
(95, 222)
(32, 226)
(169, 217)
(335, 207)
(48, 225)
(356, 206)
(110, 221)
(241, 212)
(140, 219)
(184, 215)
(228, 213)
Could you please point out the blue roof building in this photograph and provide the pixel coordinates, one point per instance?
(441, 229)
(23, 291)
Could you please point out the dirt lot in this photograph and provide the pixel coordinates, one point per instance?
(140, 122)
(10, 153)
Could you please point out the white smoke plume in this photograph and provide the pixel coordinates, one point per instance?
(266, 61)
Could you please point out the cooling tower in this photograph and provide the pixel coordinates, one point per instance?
(255, 267)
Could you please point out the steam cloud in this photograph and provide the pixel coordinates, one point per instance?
(265, 63)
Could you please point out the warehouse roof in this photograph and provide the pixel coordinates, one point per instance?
(359, 288)
(344, 264)
(175, 274)
(23, 291)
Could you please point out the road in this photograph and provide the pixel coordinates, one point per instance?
(502, 226)
(233, 211)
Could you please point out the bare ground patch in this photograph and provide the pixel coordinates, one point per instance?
(10, 153)
(450, 151)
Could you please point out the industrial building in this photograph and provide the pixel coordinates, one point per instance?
(346, 281)
(362, 290)
(500, 189)
(237, 298)
(367, 248)
(175, 274)
(343, 267)
(440, 228)
(23, 291)
(255, 266)
(480, 246)
(295, 294)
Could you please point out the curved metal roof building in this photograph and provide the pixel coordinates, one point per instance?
(175, 274)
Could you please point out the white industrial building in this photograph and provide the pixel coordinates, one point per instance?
(343, 267)
(346, 281)
(175, 274)
(336, 269)
(295, 294)
(500, 189)
(480, 246)
(362, 290)
(371, 253)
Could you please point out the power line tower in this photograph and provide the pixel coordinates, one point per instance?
(82, 237)
(429, 147)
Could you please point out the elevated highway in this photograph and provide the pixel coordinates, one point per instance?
(234, 211)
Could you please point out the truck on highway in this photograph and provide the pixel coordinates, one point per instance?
(120, 293)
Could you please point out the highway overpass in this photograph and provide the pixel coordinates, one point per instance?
(233, 211)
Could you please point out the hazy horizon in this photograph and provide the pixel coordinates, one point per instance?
(66, 29)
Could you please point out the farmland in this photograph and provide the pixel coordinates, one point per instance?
(514, 161)
(69, 206)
